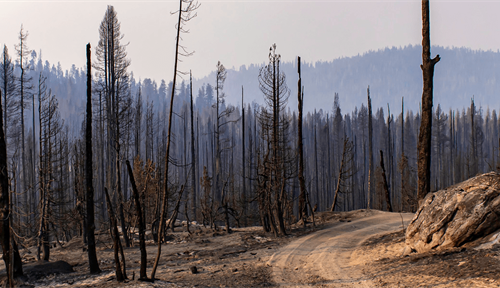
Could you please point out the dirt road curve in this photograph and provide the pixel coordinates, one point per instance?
(324, 259)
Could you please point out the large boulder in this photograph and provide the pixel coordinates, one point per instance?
(457, 215)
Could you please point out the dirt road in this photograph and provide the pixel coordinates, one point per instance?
(324, 258)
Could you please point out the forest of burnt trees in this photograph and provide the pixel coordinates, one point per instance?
(231, 164)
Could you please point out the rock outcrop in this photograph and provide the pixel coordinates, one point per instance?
(457, 215)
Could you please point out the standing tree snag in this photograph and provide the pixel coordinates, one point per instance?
(244, 193)
(112, 65)
(120, 272)
(302, 182)
(370, 147)
(345, 169)
(193, 157)
(384, 183)
(4, 203)
(185, 15)
(278, 160)
(424, 138)
(140, 219)
(93, 263)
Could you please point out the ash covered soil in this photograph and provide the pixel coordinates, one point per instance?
(361, 248)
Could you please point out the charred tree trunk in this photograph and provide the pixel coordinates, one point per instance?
(316, 162)
(244, 192)
(425, 135)
(193, 175)
(302, 182)
(167, 153)
(173, 218)
(328, 181)
(93, 263)
(121, 274)
(402, 151)
(341, 172)
(120, 198)
(384, 179)
(4, 204)
(142, 241)
(370, 148)
(226, 218)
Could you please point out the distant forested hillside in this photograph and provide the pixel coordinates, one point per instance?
(391, 74)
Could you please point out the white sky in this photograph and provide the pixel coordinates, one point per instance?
(241, 32)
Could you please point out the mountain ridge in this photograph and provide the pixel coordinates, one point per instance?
(391, 73)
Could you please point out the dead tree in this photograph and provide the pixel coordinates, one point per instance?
(220, 78)
(225, 206)
(345, 169)
(425, 135)
(10, 99)
(93, 263)
(206, 202)
(175, 212)
(24, 87)
(50, 128)
(112, 65)
(142, 241)
(278, 167)
(193, 157)
(4, 204)
(184, 16)
(384, 179)
(300, 145)
(390, 151)
(243, 166)
(222, 145)
(402, 150)
(121, 274)
(370, 147)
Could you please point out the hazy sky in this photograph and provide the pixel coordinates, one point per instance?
(241, 32)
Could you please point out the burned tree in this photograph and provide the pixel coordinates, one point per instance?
(185, 15)
(384, 183)
(10, 99)
(142, 224)
(50, 127)
(345, 170)
(425, 135)
(277, 163)
(300, 145)
(14, 266)
(222, 145)
(112, 66)
(24, 87)
(193, 156)
(370, 149)
(93, 263)
(121, 272)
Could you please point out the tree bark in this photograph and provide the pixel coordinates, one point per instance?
(4, 204)
(424, 137)
(316, 160)
(142, 241)
(302, 182)
(244, 192)
(370, 148)
(121, 275)
(193, 157)
(341, 171)
(175, 213)
(384, 179)
(93, 263)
